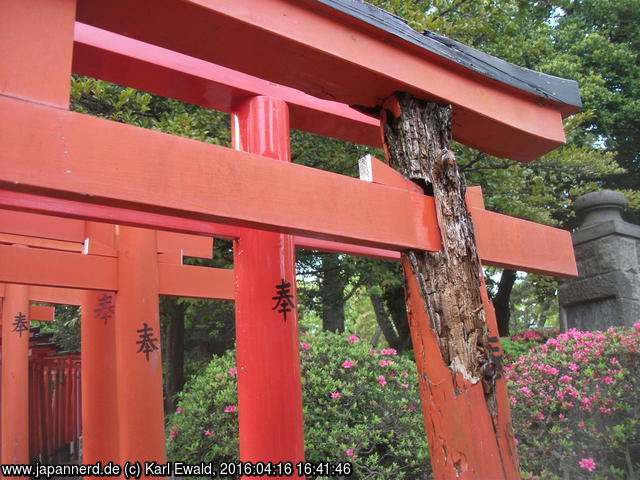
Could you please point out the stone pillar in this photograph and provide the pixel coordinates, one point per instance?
(607, 289)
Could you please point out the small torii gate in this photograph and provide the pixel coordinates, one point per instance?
(59, 162)
(82, 258)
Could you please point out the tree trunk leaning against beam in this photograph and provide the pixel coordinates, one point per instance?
(447, 318)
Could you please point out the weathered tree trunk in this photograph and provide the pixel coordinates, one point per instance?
(174, 379)
(384, 320)
(456, 367)
(397, 308)
(392, 318)
(332, 294)
(501, 301)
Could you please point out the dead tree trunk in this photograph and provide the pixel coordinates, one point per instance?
(456, 367)
(501, 301)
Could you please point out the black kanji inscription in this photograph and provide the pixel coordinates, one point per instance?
(20, 323)
(283, 298)
(106, 308)
(147, 341)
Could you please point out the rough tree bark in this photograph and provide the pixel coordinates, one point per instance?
(332, 294)
(384, 320)
(468, 434)
(390, 310)
(174, 378)
(501, 301)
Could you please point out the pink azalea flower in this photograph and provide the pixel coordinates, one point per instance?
(405, 385)
(607, 380)
(384, 363)
(233, 371)
(305, 346)
(573, 367)
(208, 433)
(382, 380)
(230, 408)
(347, 364)
(353, 339)
(565, 378)
(405, 374)
(173, 434)
(349, 452)
(373, 352)
(179, 410)
(388, 351)
(336, 394)
(637, 326)
(588, 464)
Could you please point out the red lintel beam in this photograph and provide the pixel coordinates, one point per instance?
(70, 233)
(502, 241)
(241, 189)
(40, 313)
(318, 50)
(32, 266)
(120, 165)
(101, 54)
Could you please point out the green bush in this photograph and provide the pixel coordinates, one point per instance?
(360, 405)
(576, 405)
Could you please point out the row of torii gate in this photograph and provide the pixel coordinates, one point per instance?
(100, 214)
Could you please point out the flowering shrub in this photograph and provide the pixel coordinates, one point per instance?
(540, 335)
(575, 405)
(360, 405)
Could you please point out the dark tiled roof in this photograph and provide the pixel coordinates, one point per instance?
(540, 84)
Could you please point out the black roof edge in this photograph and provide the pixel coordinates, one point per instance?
(540, 84)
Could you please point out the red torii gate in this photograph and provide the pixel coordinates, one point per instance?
(155, 193)
(55, 262)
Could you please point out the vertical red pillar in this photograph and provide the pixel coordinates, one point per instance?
(138, 360)
(268, 360)
(14, 412)
(98, 345)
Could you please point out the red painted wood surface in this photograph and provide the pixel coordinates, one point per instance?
(98, 354)
(166, 174)
(267, 345)
(316, 204)
(14, 404)
(502, 422)
(54, 402)
(41, 313)
(138, 373)
(27, 31)
(329, 55)
(119, 59)
(451, 418)
(52, 268)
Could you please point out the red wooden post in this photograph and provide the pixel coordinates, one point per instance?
(14, 413)
(99, 401)
(36, 46)
(138, 361)
(269, 385)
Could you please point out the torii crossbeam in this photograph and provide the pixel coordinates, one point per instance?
(58, 162)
